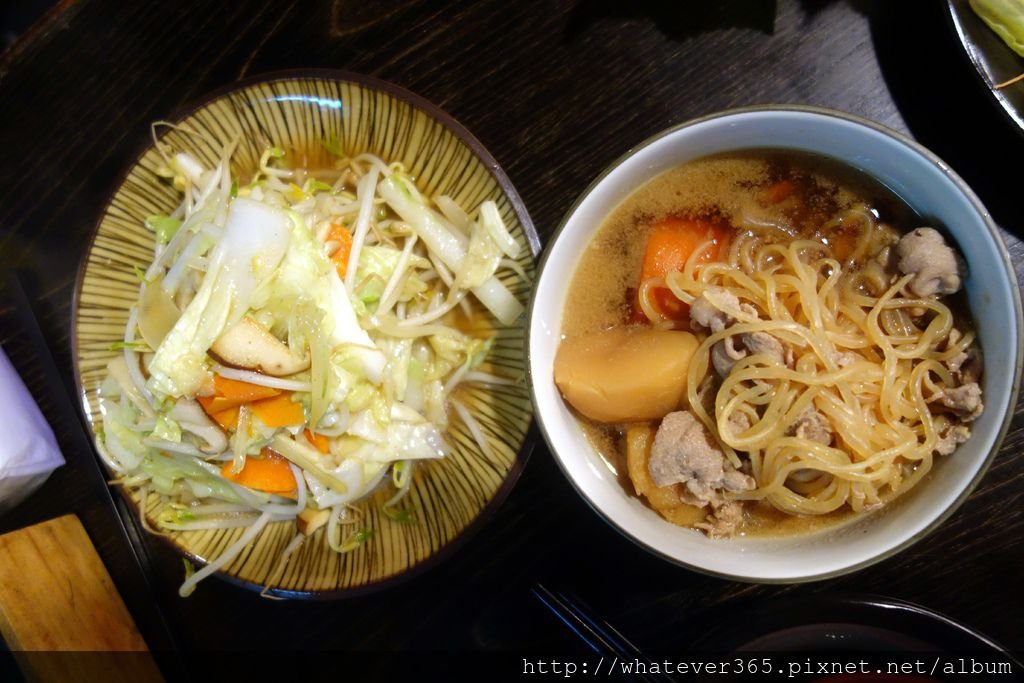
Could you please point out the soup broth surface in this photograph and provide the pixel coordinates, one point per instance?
(733, 189)
(722, 188)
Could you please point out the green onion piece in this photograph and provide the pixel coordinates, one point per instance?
(355, 540)
(402, 516)
(139, 346)
(313, 185)
(396, 473)
(141, 275)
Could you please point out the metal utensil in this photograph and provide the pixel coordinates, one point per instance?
(598, 634)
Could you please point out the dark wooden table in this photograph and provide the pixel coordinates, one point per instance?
(556, 91)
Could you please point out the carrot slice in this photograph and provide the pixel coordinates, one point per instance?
(270, 473)
(319, 441)
(207, 403)
(229, 394)
(279, 411)
(670, 244)
(273, 406)
(243, 392)
(228, 419)
(219, 403)
(343, 237)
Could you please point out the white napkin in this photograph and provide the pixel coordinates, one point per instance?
(28, 449)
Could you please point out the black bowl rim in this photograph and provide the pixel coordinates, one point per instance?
(530, 438)
(993, 232)
(766, 616)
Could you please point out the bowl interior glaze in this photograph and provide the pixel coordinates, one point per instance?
(926, 184)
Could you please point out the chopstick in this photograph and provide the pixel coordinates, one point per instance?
(598, 634)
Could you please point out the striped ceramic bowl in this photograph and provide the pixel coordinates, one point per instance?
(299, 110)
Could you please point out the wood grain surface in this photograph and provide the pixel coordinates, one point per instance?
(56, 596)
(556, 91)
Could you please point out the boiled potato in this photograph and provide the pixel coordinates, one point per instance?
(682, 514)
(625, 374)
(639, 439)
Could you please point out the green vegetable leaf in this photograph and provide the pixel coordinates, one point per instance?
(165, 227)
(175, 513)
(167, 429)
(377, 264)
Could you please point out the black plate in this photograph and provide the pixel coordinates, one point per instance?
(824, 628)
(994, 61)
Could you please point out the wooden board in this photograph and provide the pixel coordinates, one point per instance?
(57, 597)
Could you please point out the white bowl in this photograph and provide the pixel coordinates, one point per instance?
(926, 184)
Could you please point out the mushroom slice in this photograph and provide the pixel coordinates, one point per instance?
(118, 369)
(193, 418)
(247, 345)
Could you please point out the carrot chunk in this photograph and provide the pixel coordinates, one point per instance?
(779, 191)
(670, 244)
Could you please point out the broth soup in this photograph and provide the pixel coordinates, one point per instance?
(768, 342)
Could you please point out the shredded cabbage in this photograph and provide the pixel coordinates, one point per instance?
(345, 363)
(1006, 18)
(449, 245)
(254, 243)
